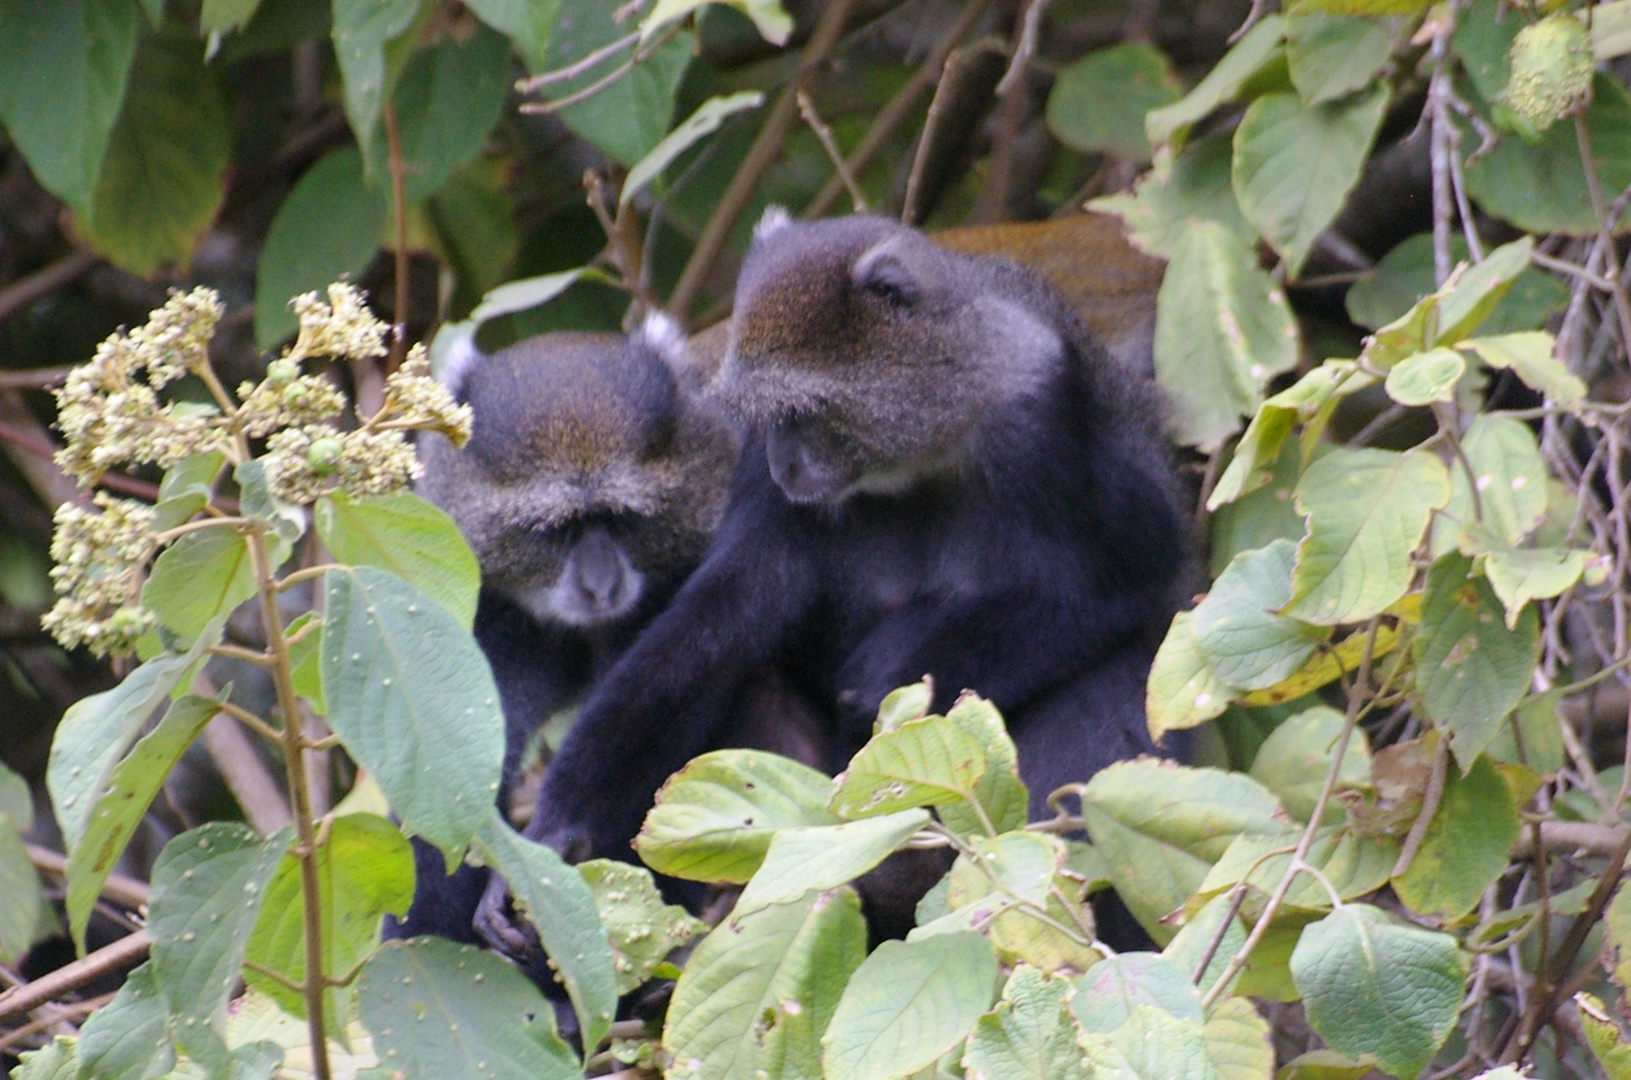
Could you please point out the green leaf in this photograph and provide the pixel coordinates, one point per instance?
(907, 1004)
(164, 174)
(999, 790)
(95, 731)
(1020, 871)
(447, 102)
(224, 16)
(208, 887)
(255, 500)
(641, 929)
(714, 819)
(1253, 52)
(1357, 966)
(1617, 930)
(905, 704)
(1326, 1065)
(1510, 477)
(526, 293)
(305, 661)
(413, 701)
(560, 905)
(122, 804)
(24, 912)
(1366, 511)
(1185, 950)
(1107, 995)
(1604, 1037)
(1235, 629)
(1222, 329)
(53, 1061)
(1151, 1045)
(1467, 846)
(1471, 671)
(825, 856)
(1332, 56)
(626, 120)
(436, 1008)
(1519, 575)
(1099, 102)
(128, 1037)
(927, 762)
(772, 21)
(203, 576)
(1293, 761)
(1030, 1034)
(1295, 164)
(1194, 185)
(327, 228)
(63, 68)
(1183, 691)
(1258, 455)
(364, 870)
(186, 488)
(701, 123)
(1406, 274)
(408, 536)
(525, 22)
(1362, 7)
(1426, 377)
(1540, 187)
(1237, 1041)
(758, 992)
(1354, 865)
(16, 803)
(1531, 356)
(1470, 296)
(370, 37)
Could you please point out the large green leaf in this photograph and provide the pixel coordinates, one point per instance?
(1236, 630)
(1366, 511)
(1294, 759)
(439, 1009)
(164, 174)
(1107, 995)
(924, 762)
(1151, 1045)
(1406, 274)
(1426, 378)
(1258, 455)
(1331, 56)
(1510, 477)
(1295, 164)
(1183, 691)
(1353, 865)
(758, 992)
(1466, 847)
(1532, 357)
(525, 22)
(999, 790)
(1238, 1041)
(128, 1039)
(63, 68)
(1222, 330)
(1358, 967)
(715, 818)
(408, 536)
(701, 123)
(1031, 1033)
(203, 576)
(1519, 575)
(825, 856)
(123, 803)
(641, 929)
(1194, 185)
(910, 1002)
(22, 916)
(412, 699)
(1099, 102)
(1254, 51)
(371, 42)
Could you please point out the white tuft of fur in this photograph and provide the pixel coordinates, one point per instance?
(664, 336)
(775, 219)
(462, 358)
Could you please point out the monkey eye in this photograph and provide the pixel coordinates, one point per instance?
(887, 279)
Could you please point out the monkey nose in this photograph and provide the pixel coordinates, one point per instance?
(600, 569)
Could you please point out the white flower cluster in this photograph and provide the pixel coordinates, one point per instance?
(99, 558)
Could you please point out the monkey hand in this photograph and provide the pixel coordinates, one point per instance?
(501, 925)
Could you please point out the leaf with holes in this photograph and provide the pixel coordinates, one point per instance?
(825, 856)
(927, 762)
(1031, 1033)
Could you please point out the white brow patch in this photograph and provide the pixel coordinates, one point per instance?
(663, 335)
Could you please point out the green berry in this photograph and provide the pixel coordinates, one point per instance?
(1552, 69)
(282, 371)
(324, 454)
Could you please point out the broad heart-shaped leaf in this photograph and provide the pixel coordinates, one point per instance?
(641, 929)
(629, 118)
(999, 790)
(1031, 1035)
(1510, 477)
(1473, 292)
(1257, 455)
(1222, 329)
(1236, 630)
(1294, 759)
(1375, 986)
(165, 171)
(1295, 164)
(772, 21)
(364, 870)
(94, 732)
(1354, 866)
(436, 1008)
(1151, 1045)
(1331, 56)
(1366, 512)
(1532, 355)
(1160, 827)
(1253, 52)
(408, 536)
(23, 912)
(368, 48)
(525, 22)
(1195, 185)
(910, 1002)
(128, 1036)
(327, 227)
(63, 68)
(1519, 575)
(1183, 691)
(561, 907)
(121, 806)
(1107, 995)
(1237, 1041)
(927, 762)
(825, 856)
(1406, 274)
(701, 123)
(412, 699)
(1099, 102)
(203, 576)
(1471, 671)
(714, 819)
(1426, 377)
(758, 992)
(1467, 846)
(208, 887)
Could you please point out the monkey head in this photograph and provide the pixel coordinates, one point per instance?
(869, 358)
(588, 470)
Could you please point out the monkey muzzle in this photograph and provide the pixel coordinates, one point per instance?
(800, 467)
(598, 583)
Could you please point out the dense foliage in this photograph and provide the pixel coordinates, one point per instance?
(1393, 327)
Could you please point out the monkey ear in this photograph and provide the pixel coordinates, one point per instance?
(663, 336)
(775, 219)
(881, 272)
(462, 359)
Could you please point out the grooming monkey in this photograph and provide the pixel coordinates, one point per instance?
(944, 473)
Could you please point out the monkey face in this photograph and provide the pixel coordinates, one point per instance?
(870, 359)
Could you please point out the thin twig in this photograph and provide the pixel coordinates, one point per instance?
(34, 378)
(24, 291)
(537, 82)
(824, 134)
(1436, 780)
(104, 961)
(1605, 225)
(59, 1015)
(122, 890)
(399, 219)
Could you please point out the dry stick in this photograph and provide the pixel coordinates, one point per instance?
(126, 891)
(909, 210)
(33, 379)
(121, 954)
(1605, 227)
(399, 216)
(1439, 152)
(1436, 780)
(60, 1014)
(766, 148)
(571, 71)
(824, 134)
(23, 292)
(892, 115)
